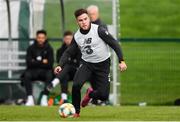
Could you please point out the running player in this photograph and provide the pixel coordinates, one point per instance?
(94, 42)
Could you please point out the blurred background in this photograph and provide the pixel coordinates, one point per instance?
(148, 30)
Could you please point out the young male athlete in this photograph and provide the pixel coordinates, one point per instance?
(94, 42)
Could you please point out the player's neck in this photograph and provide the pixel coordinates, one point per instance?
(85, 31)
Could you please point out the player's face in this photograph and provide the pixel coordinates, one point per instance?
(83, 21)
(41, 38)
(67, 39)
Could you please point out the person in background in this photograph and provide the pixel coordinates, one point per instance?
(69, 69)
(39, 61)
(93, 12)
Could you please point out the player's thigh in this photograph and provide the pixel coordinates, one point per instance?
(82, 75)
(102, 84)
(31, 74)
(101, 80)
(46, 75)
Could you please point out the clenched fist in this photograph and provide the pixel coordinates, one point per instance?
(122, 66)
(57, 70)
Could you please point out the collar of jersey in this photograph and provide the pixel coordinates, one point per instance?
(85, 31)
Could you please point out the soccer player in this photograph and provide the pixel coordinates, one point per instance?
(39, 60)
(69, 69)
(94, 42)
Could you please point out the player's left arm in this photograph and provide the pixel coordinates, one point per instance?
(48, 60)
(113, 43)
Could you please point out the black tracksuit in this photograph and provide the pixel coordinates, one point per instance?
(69, 68)
(36, 69)
(96, 72)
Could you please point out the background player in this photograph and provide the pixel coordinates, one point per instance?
(69, 69)
(93, 12)
(39, 61)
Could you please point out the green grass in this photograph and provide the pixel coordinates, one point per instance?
(152, 18)
(153, 73)
(21, 113)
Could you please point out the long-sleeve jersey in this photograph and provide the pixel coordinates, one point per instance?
(94, 45)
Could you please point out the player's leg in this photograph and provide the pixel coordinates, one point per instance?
(71, 70)
(61, 77)
(46, 76)
(102, 92)
(100, 72)
(83, 74)
(64, 77)
(93, 84)
(102, 81)
(27, 79)
(64, 89)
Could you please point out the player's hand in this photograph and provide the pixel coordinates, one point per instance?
(45, 61)
(122, 66)
(57, 70)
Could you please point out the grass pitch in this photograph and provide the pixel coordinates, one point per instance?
(37, 113)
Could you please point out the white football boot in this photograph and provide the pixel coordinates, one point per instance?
(44, 100)
(30, 101)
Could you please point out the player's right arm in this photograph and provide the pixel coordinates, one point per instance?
(113, 43)
(30, 61)
(70, 52)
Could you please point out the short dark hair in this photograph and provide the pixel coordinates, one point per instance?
(68, 33)
(79, 12)
(41, 32)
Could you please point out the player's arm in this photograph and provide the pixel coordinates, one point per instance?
(30, 61)
(113, 43)
(48, 61)
(107, 38)
(70, 51)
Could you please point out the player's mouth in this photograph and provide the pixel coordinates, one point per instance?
(85, 27)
